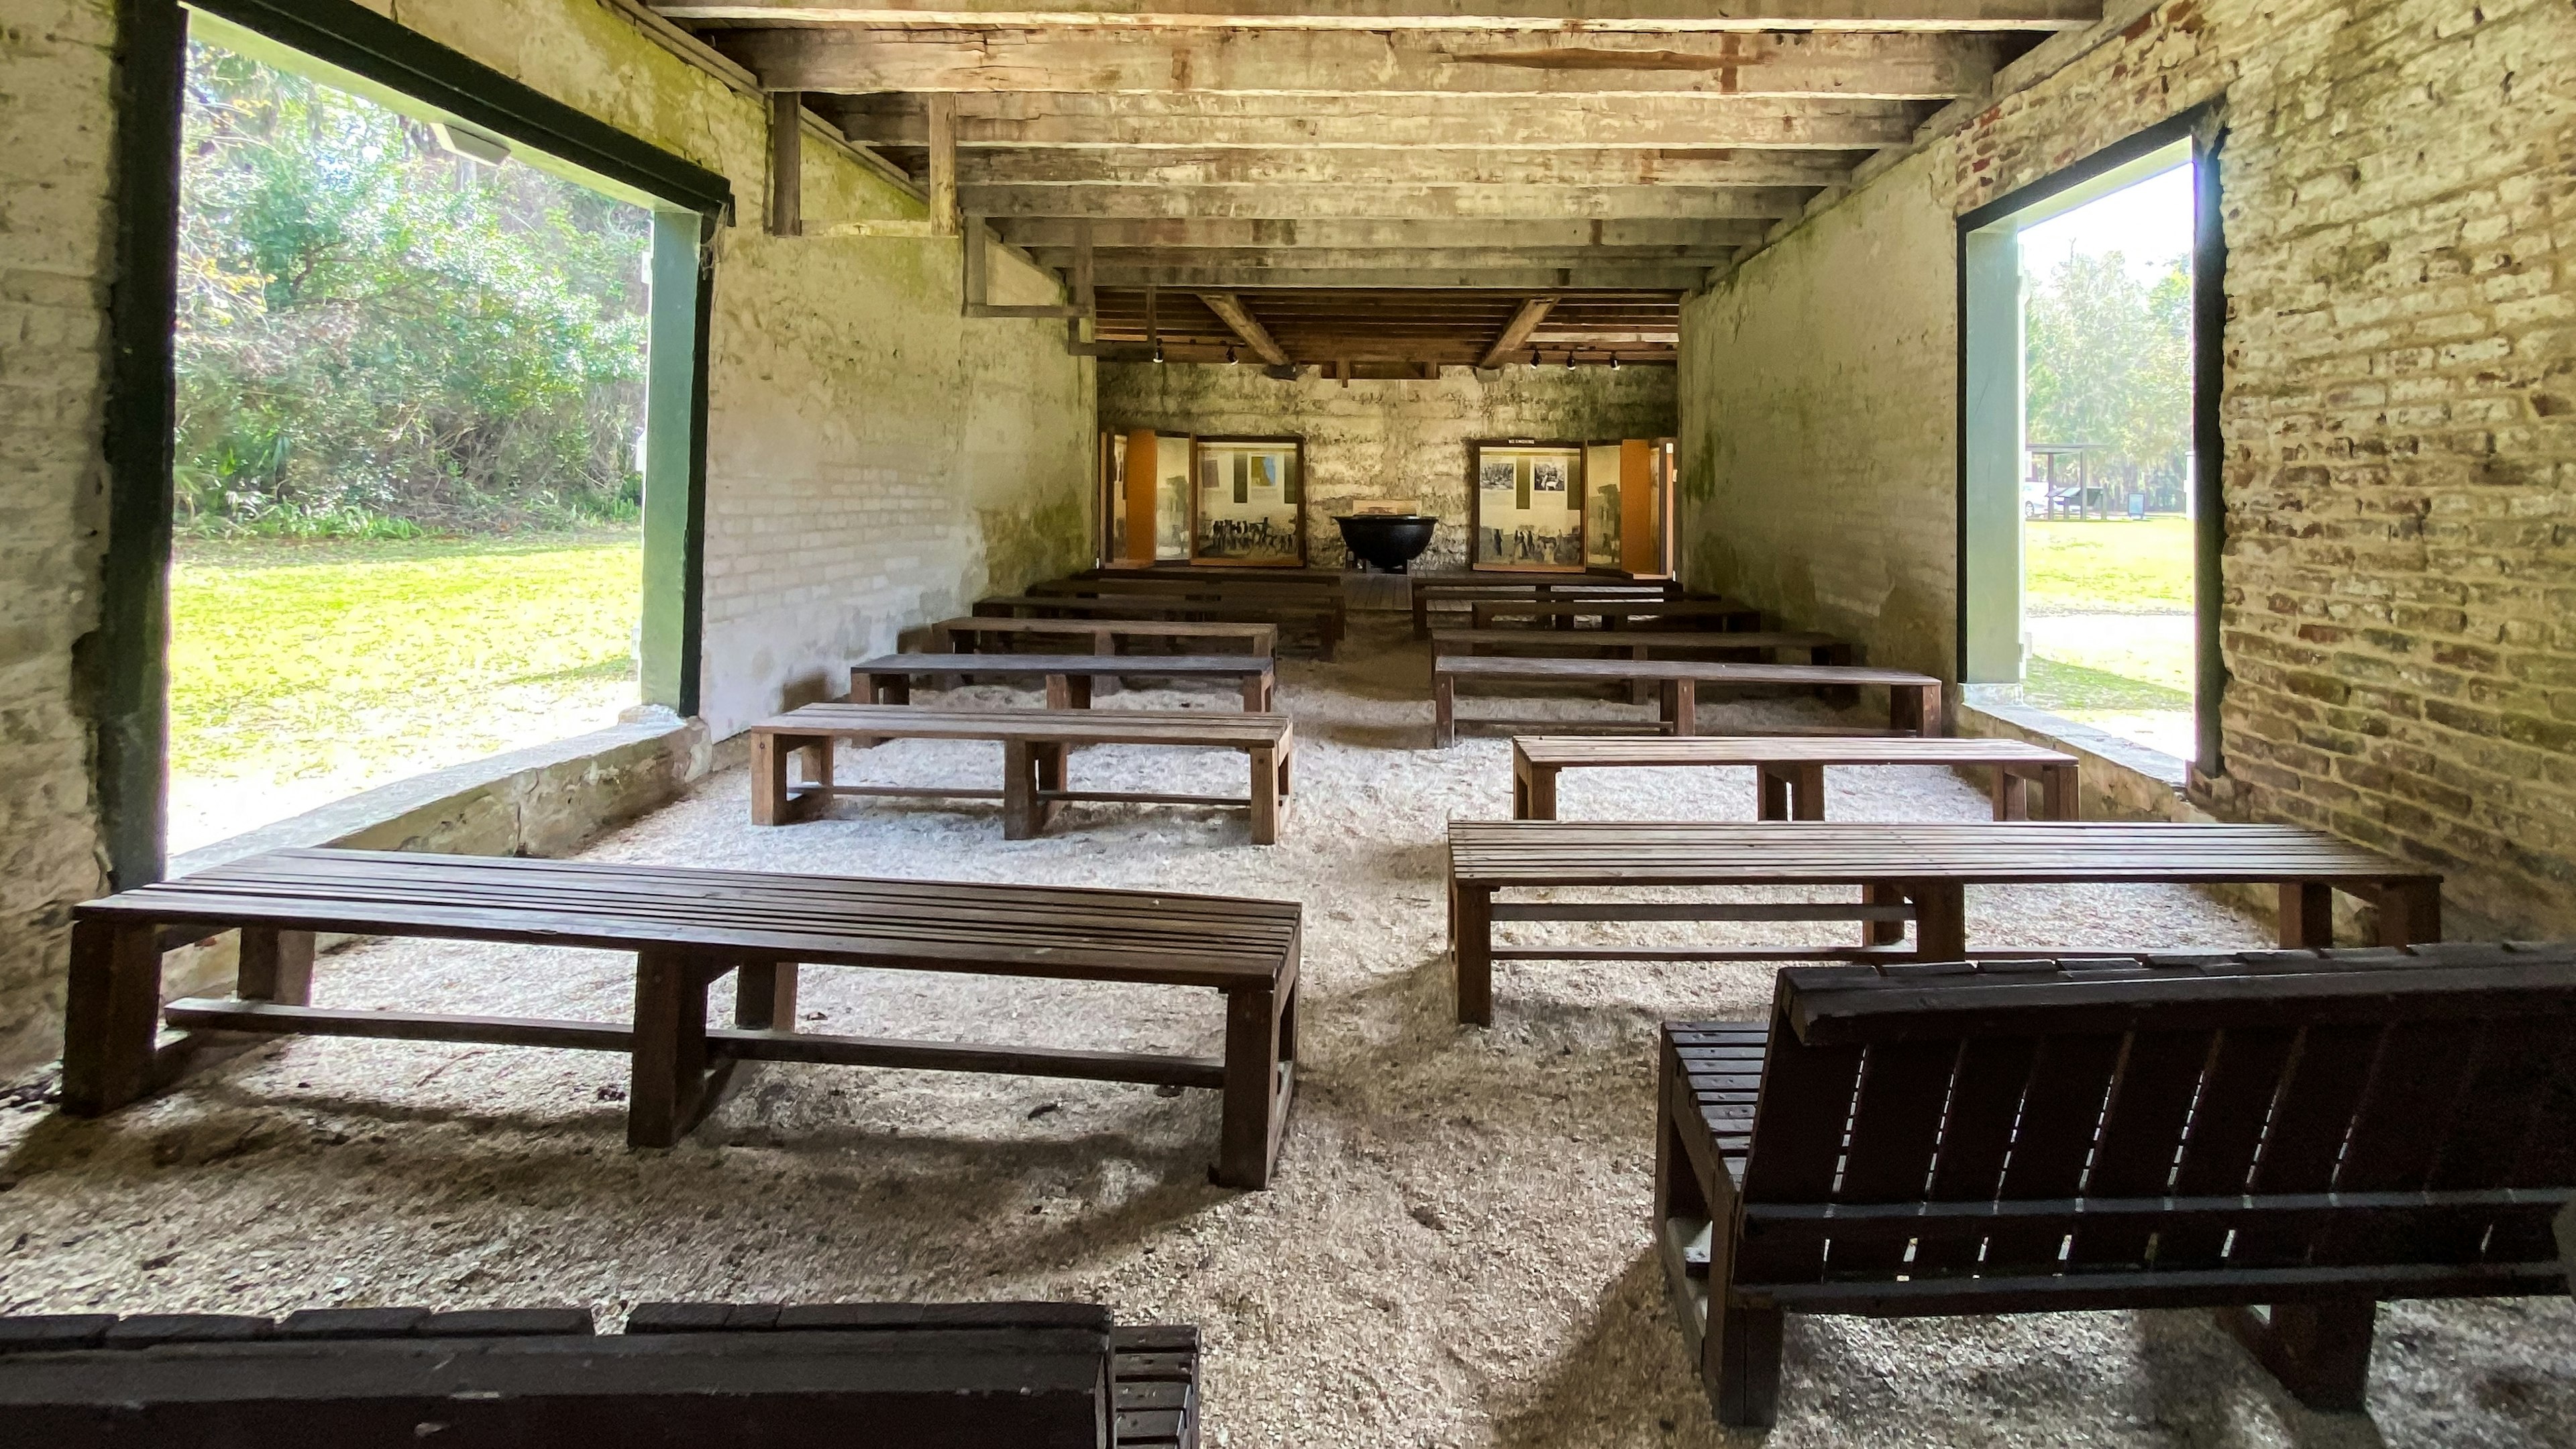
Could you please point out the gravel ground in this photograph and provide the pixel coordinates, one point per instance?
(1455, 1252)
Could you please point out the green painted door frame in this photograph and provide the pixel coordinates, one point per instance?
(123, 668)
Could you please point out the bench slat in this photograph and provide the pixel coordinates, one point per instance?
(1651, 751)
(1222, 665)
(1071, 726)
(1706, 671)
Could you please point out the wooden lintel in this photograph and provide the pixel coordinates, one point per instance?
(787, 163)
(1230, 310)
(943, 165)
(1517, 331)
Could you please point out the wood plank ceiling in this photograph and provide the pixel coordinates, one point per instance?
(1380, 183)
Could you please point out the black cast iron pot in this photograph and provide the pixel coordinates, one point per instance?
(1388, 541)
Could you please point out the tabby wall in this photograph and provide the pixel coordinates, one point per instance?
(2399, 413)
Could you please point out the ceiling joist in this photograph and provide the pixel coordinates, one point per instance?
(1608, 16)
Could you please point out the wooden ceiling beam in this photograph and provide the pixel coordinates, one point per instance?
(1296, 166)
(1539, 15)
(1423, 202)
(1383, 259)
(1018, 120)
(1164, 61)
(1231, 311)
(1190, 233)
(1517, 331)
(1500, 272)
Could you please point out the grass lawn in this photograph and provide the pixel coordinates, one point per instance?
(2112, 566)
(300, 673)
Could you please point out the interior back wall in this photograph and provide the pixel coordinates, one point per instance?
(1390, 438)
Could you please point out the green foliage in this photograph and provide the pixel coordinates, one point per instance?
(2109, 363)
(377, 337)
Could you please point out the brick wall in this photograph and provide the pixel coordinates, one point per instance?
(873, 458)
(56, 131)
(2399, 412)
(1390, 438)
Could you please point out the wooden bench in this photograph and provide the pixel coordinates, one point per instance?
(688, 928)
(1035, 743)
(1325, 620)
(1913, 708)
(1789, 773)
(1642, 643)
(1427, 592)
(1905, 871)
(2313, 1133)
(966, 635)
(792, 1376)
(1617, 613)
(1070, 678)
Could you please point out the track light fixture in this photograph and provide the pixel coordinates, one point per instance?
(1158, 352)
(1230, 359)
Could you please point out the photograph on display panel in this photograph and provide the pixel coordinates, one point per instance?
(1251, 503)
(1529, 506)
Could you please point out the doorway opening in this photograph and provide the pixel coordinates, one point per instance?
(2089, 508)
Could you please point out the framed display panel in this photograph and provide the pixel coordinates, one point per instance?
(1604, 486)
(1171, 482)
(1113, 498)
(1251, 502)
(1528, 505)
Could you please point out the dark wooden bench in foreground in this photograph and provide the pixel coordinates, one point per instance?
(967, 635)
(1914, 700)
(1070, 678)
(806, 1376)
(1035, 745)
(1905, 872)
(2313, 1133)
(688, 929)
(1325, 620)
(1789, 771)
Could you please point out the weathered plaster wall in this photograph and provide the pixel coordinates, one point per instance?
(2399, 412)
(873, 459)
(1387, 438)
(56, 131)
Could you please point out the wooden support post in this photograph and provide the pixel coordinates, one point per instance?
(2058, 786)
(1471, 945)
(1940, 920)
(275, 966)
(1771, 792)
(1019, 790)
(2319, 1351)
(1256, 693)
(1742, 1359)
(786, 163)
(1807, 792)
(943, 181)
(667, 1081)
(2307, 916)
(1256, 1088)
(2409, 912)
(111, 1014)
(2011, 793)
(764, 995)
(1444, 710)
(769, 783)
(1265, 795)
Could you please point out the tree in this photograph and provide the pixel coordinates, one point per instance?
(374, 332)
(2108, 362)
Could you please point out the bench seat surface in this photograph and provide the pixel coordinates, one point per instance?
(1649, 750)
(1636, 638)
(1072, 726)
(1823, 852)
(1488, 666)
(1057, 932)
(1136, 664)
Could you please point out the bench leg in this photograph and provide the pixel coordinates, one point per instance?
(1638, 692)
(2409, 912)
(1286, 774)
(667, 1084)
(1019, 790)
(1265, 796)
(1542, 792)
(887, 688)
(1444, 710)
(1740, 1360)
(1771, 792)
(2307, 916)
(2319, 1351)
(2057, 791)
(275, 966)
(1471, 944)
(764, 996)
(1682, 707)
(1914, 710)
(1940, 920)
(1256, 694)
(111, 1014)
(1882, 933)
(1807, 792)
(1260, 1065)
(768, 780)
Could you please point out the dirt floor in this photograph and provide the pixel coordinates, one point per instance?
(1455, 1252)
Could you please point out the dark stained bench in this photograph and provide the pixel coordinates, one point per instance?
(1695, 612)
(1324, 619)
(688, 929)
(802, 1376)
(1909, 871)
(1914, 700)
(1323, 604)
(1070, 678)
(1463, 593)
(966, 636)
(1789, 771)
(1645, 643)
(1035, 744)
(2312, 1132)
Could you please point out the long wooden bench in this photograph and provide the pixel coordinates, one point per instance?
(1914, 700)
(784, 1376)
(1445, 592)
(1643, 643)
(688, 929)
(1789, 772)
(1324, 620)
(1070, 678)
(967, 635)
(1035, 744)
(1618, 613)
(1908, 871)
(2310, 1133)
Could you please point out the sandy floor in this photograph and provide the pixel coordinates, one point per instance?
(1456, 1250)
